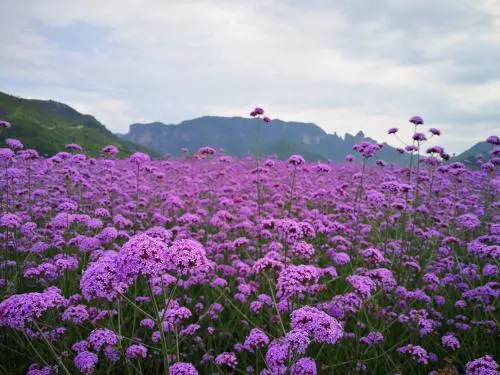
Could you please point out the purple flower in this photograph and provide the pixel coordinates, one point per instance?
(86, 362)
(493, 139)
(74, 146)
(298, 341)
(186, 256)
(76, 314)
(393, 131)
(206, 151)
(139, 158)
(362, 284)
(227, 359)
(14, 144)
(435, 131)
(372, 338)
(416, 352)
(304, 366)
(450, 341)
(256, 339)
(482, 366)
(5, 124)
(367, 149)
(18, 310)
(321, 326)
(110, 150)
(182, 368)
(257, 112)
(103, 279)
(100, 337)
(417, 120)
(10, 221)
(136, 351)
(468, 221)
(143, 255)
(296, 160)
(294, 280)
(419, 137)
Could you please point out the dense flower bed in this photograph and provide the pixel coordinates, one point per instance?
(206, 264)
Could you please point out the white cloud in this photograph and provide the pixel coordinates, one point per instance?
(345, 65)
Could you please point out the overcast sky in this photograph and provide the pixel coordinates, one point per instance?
(346, 65)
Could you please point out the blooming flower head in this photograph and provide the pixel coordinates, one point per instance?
(5, 124)
(136, 351)
(186, 256)
(102, 336)
(18, 310)
(482, 366)
(144, 255)
(139, 158)
(29, 154)
(468, 221)
(435, 131)
(206, 151)
(296, 160)
(110, 150)
(295, 280)
(372, 338)
(450, 341)
(256, 339)
(493, 139)
(258, 111)
(14, 144)
(367, 149)
(182, 368)
(419, 137)
(417, 120)
(321, 326)
(416, 352)
(74, 147)
(85, 362)
(266, 119)
(10, 221)
(227, 359)
(393, 131)
(6, 154)
(304, 366)
(298, 341)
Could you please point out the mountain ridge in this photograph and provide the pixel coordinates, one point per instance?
(48, 125)
(238, 137)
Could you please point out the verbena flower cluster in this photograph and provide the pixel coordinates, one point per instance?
(207, 264)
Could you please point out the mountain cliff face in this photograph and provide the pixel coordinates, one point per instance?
(48, 126)
(238, 137)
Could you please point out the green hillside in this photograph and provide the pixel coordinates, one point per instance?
(48, 126)
(482, 149)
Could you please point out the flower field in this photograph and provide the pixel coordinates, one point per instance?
(208, 264)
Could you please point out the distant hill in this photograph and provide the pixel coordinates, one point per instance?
(48, 126)
(479, 149)
(238, 137)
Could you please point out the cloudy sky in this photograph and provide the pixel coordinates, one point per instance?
(346, 65)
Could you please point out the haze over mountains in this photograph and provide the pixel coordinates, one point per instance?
(49, 125)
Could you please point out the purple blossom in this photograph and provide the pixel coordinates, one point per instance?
(86, 362)
(322, 327)
(227, 359)
(136, 351)
(182, 368)
(417, 120)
